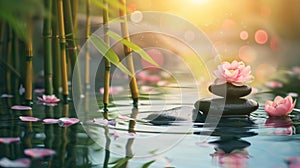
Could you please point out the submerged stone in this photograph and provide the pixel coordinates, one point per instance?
(229, 90)
(222, 106)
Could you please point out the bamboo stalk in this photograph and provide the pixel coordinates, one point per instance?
(72, 47)
(9, 60)
(63, 50)
(16, 65)
(107, 63)
(74, 6)
(87, 54)
(47, 49)
(128, 52)
(57, 77)
(29, 69)
(2, 42)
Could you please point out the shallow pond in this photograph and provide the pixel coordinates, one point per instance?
(161, 133)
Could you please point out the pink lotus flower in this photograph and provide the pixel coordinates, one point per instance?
(23, 162)
(280, 106)
(8, 140)
(39, 152)
(16, 107)
(236, 73)
(48, 99)
(65, 122)
(28, 118)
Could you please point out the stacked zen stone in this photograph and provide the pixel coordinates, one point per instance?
(231, 101)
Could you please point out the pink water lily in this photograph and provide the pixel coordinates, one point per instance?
(65, 122)
(39, 152)
(8, 140)
(280, 106)
(23, 162)
(48, 99)
(50, 121)
(236, 73)
(17, 107)
(28, 118)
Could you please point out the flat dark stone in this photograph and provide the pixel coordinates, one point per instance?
(229, 90)
(228, 106)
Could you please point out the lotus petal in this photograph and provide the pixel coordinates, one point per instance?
(23, 162)
(8, 140)
(28, 118)
(65, 122)
(17, 107)
(50, 121)
(39, 152)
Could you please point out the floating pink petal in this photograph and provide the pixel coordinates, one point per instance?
(121, 117)
(50, 121)
(104, 122)
(23, 162)
(116, 135)
(112, 90)
(274, 84)
(7, 140)
(48, 99)
(17, 107)
(7, 96)
(39, 152)
(39, 91)
(144, 77)
(65, 122)
(28, 118)
(147, 88)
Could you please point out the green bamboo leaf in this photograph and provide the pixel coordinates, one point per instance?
(146, 165)
(108, 53)
(133, 46)
(121, 162)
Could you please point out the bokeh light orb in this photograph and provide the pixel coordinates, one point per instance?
(244, 35)
(261, 36)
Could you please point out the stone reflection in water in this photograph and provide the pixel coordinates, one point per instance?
(230, 148)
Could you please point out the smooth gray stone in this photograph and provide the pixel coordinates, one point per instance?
(226, 106)
(229, 90)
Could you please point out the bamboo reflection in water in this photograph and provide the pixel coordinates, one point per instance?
(49, 132)
(130, 141)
